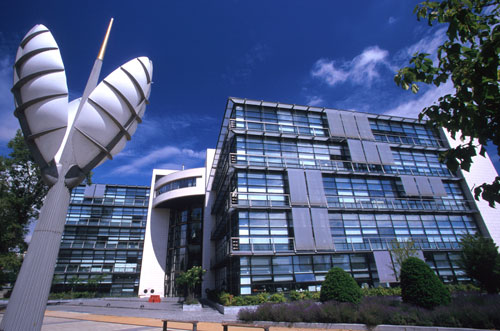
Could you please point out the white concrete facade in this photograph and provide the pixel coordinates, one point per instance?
(481, 171)
(154, 262)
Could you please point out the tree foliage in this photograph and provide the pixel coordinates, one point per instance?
(340, 286)
(400, 252)
(421, 286)
(481, 261)
(21, 195)
(470, 59)
(190, 279)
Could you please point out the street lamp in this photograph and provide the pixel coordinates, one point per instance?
(67, 140)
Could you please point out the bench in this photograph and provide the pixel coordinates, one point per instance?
(242, 325)
(193, 323)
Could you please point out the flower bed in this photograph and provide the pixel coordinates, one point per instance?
(465, 311)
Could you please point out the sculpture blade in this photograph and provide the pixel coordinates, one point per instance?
(41, 94)
(112, 112)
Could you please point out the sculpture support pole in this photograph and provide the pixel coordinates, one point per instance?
(28, 301)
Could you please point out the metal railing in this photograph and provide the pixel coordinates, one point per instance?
(270, 200)
(102, 245)
(272, 245)
(268, 161)
(436, 204)
(249, 125)
(240, 124)
(239, 199)
(406, 140)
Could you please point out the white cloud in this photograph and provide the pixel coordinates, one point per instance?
(428, 44)
(361, 70)
(414, 107)
(164, 155)
(392, 20)
(8, 122)
(314, 100)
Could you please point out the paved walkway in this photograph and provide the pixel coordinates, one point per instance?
(133, 314)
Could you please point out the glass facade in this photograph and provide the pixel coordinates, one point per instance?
(101, 247)
(184, 242)
(177, 184)
(368, 206)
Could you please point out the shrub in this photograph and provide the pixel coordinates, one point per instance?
(340, 286)
(381, 291)
(461, 288)
(420, 285)
(465, 311)
(300, 295)
(226, 299)
(277, 297)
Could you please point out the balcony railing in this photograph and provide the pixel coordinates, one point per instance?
(436, 204)
(268, 161)
(302, 130)
(237, 124)
(102, 245)
(270, 245)
(270, 200)
(405, 140)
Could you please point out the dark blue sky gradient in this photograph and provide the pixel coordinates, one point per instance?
(206, 51)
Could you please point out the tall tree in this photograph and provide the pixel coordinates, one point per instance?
(481, 261)
(21, 195)
(470, 59)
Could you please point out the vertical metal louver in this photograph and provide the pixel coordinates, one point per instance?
(371, 152)
(298, 189)
(356, 151)
(386, 157)
(424, 187)
(384, 266)
(315, 188)
(364, 128)
(409, 185)
(350, 128)
(302, 229)
(437, 186)
(335, 123)
(321, 228)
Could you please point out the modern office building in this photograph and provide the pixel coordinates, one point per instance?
(102, 243)
(295, 190)
(289, 192)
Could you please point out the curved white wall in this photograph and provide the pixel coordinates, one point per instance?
(199, 189)
(154, 255)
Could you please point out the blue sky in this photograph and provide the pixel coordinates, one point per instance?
(338, 54)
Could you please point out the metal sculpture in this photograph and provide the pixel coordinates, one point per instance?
(67, 140)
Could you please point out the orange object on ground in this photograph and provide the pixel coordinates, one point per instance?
(154, 298)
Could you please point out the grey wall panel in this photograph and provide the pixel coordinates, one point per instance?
(423, 186)
(321, 229)
(409, 185)
(99, 190)
(365, 131)
(302, 229)
(298, 189)
(386, 157)
(350, 127)
(356, 151)
(420, 255)
(371, 152)
(89, 191)
(335, 123)
(384, 266)
(437, 186)
(315, 188)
